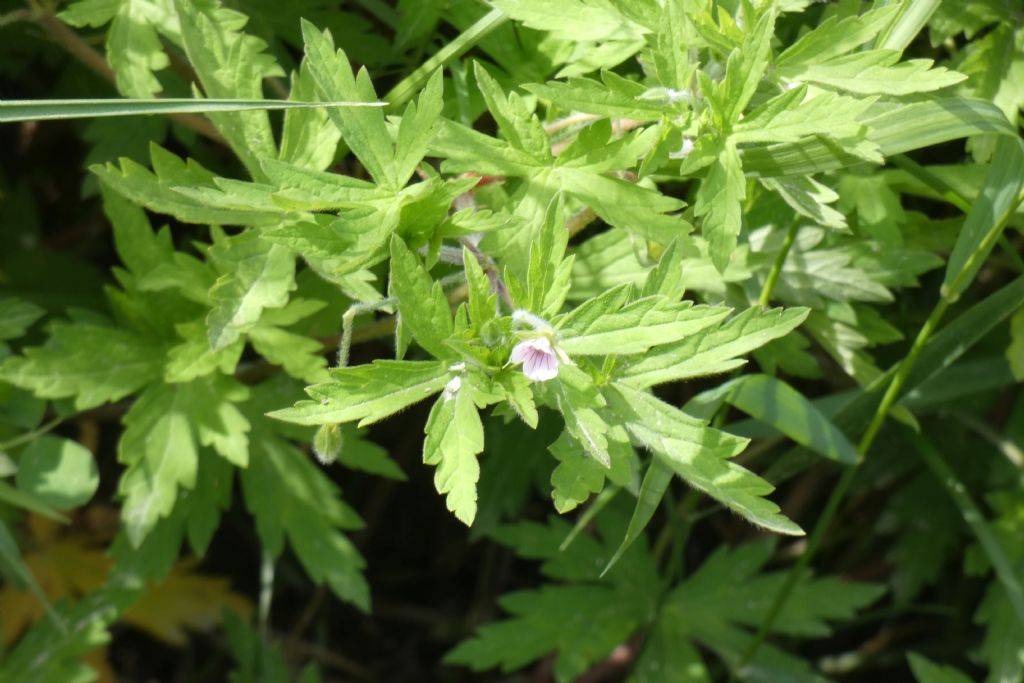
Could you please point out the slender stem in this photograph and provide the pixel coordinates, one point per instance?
(408, 86)
(29, 436)
(892, 393)
(15, 16)
(948, 193)
(1012, 253)
(780, 260)
(266, 592)
(347, 320)
(1005, 446)
(940, 186)
(682, 511)
(569, 122)
(491, 271)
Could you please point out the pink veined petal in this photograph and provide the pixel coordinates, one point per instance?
(538, 358)
(520, 352)
(541, 367)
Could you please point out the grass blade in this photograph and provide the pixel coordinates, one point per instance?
(989, 214)
(49, 110)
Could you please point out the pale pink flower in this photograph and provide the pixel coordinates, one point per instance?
(540, 363)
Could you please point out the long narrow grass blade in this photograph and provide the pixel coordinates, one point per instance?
(989, 214)
(409, 85)
(48, 110)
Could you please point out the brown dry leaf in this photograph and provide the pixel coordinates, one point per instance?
(185, 599)
(70, 562)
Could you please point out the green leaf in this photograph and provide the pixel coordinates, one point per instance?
(577, 475)
(792, 116)
(134, 49)
(483, 303)
(744, 68)
(580, 623)
(421, 302)
(417, 129)
(713, 351)
(652, 490)
(230, 64)
(875, 72)
(719, 203)
(164, 430)
(16, 316)
(729, 591)
(926, 671)
(308, 137)
(994, 206)
(454, 438)
(809, 199)
(59, 472)
(368, 393)
(776, 403)
(94, 13)
(300, 356)
(635, 327)
(15, 572)
(666, 278)
(364, 130)
(28, 501)
(1015, 351)
(700, 455)
(364, 455)
(836, 36)
(572, 20)
(66, 367)
(625, 205)
(518, 125)
(464, 149)
(577, 397)
(896, 130)
(908, 22)
(174, 187)
(291, 498)
(194, 358)
(257, 275)
(597, 623)
(614, 97)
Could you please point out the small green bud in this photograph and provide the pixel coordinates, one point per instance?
(327, 443)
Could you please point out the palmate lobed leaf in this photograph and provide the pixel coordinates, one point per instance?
(160, 446)
(66, 367)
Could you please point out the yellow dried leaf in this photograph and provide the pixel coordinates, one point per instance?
(184, 600)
